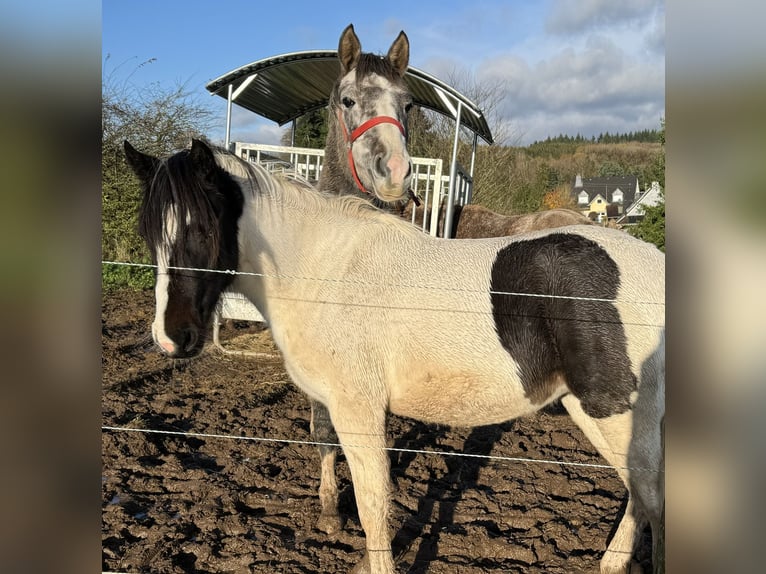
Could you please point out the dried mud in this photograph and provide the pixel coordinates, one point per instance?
(186, 503)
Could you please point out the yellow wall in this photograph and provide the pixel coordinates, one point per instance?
(597, 207)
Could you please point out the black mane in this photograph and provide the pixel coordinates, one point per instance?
(200, 203)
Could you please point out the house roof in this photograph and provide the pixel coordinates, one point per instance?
(650, 197)
(606, 186)
(285, 87)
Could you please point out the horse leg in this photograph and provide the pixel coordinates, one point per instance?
(322, 431)
(614, 438)
(362, 431)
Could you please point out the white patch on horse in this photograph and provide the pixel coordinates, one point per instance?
(162, 284)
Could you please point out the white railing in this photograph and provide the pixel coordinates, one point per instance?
(463, 186)
(302, 161)
(429, 182)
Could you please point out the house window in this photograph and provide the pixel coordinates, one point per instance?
(617, 196)
(598, 200)
(582, 198)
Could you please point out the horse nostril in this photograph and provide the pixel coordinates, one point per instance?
(189, 340)
(409, 169)
(380, 166)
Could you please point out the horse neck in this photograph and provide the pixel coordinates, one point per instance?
(336, 175)
(274, 227)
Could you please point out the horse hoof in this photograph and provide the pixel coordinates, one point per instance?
(329, 524)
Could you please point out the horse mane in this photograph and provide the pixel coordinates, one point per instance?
(297, 192)
(176, 187)
(257, 180)
(374, 64)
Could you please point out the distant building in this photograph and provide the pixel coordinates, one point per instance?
(649, 198)
(609, 198)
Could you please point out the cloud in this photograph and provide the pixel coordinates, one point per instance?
(392, 26)
(595, 66)
(655, 37)
(586, 67)
(246, 127)
(590, 90)
(567, 17)
(263, 132)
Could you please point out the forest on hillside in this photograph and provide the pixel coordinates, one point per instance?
(520, 179)
(648, 136)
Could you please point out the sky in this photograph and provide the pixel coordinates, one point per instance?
(555, 66)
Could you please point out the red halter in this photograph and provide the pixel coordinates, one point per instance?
(356, 134)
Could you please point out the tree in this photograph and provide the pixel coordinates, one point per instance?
(610, 169)
(560, 196)
(310, 130)
(657, 169)
(652, 227)
(156, 120)
(419, 131)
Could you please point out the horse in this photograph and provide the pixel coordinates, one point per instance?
(510, 324)
(366, 147)
(475, 221)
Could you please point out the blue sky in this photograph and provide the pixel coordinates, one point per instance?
(555, 66)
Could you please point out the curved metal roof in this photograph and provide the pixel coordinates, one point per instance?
(285, 87)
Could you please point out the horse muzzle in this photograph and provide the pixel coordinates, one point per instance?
(182, 344)
(391, 177)
(390, 171)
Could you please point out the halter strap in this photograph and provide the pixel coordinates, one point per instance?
(357, 133)
(371, 123)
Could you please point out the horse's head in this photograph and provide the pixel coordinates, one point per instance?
(189, 220)
(368, 116)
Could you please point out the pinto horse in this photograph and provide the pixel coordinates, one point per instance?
(511, 324)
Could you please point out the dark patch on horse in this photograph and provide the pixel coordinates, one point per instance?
(583, 341)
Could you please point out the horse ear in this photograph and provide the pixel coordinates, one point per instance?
(349, 50)
(143, 165)
(202, 158)
(399, 53)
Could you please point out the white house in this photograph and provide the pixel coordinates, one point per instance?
(649, 198)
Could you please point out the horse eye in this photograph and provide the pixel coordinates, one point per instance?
(348, 102)
(408, 107)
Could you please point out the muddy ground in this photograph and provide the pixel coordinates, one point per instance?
(206, 504)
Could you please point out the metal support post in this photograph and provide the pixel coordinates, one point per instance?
(228, 119)
(452, 176)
